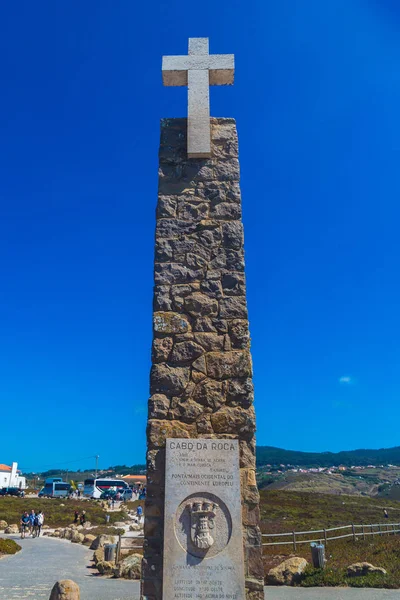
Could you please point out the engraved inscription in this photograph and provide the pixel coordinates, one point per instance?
(203, 543)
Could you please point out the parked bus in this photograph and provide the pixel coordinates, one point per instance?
(55, 489)
(93, 488)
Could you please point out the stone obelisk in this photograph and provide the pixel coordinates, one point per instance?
(201, 378)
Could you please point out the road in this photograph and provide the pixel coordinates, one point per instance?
(30, 575)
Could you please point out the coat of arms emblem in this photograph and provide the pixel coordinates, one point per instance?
(202, 522)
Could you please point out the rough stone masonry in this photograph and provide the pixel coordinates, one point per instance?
(201, 377)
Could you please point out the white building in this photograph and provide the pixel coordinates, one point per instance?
(9, 477)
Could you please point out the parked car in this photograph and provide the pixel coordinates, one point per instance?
(11, 491)
(126, 495)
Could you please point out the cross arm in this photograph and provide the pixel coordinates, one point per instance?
(220, 66)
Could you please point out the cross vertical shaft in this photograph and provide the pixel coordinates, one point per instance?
(198, 132)
(198, 71)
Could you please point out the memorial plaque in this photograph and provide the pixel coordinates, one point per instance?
(203, 540)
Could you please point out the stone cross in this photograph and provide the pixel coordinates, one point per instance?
(198, 71)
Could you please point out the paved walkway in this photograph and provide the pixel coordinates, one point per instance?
(30, 575)
(327, 593)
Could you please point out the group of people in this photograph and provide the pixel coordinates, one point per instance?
(80, 518)
(31, 523)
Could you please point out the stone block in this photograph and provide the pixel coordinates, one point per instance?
(170, 322)
(227, 365)
(165, 379)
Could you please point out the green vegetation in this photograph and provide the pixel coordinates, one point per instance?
(104, 530)
(276, 456)
(9, 547)
(11, 509)
(283, 512)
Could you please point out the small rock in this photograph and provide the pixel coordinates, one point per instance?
(12, 528)
(3, 524)
(77, 538)
(65, 590)
(100, 540)
(98, 555)
(89, 539)
(288, 572)
(130, 567)
(105, 567)
(363, 568)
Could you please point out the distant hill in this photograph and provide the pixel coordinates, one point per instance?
(276, 456)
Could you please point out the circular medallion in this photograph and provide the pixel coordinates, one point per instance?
(203, 525)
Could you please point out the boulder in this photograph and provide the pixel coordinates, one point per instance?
(3, 524)
(89, 539)
(119, 524)
(288, 572)
(98, 555)
(88, 524)
(12, 528)
(135, 527)
(45, 526)
(105, 568)
(65, 590)
(363, 568)
(130, 567)
(77, 538)
(68, 533)
(55, 534)
(101, 540)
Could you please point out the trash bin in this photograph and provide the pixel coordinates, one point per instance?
(109, 552)
(318, 555)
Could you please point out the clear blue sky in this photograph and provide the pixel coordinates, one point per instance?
(316, 98)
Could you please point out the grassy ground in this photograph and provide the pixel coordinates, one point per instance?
(8, 546)
(287, 511)
(371, 482)
(283, 511)
(11, 509)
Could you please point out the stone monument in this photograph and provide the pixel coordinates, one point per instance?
(202, 536)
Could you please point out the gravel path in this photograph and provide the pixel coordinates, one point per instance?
(30, 575)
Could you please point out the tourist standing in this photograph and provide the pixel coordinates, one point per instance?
(32, 517)
(76, 515)
(40, 519)
(25, 522)
(83, 518)
(139, 513)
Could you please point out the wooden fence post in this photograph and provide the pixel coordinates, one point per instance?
(363, 532)
(118, 552)
(325, 538)
(354, 532)
(380, 529)
(294, 541)
(372, 530)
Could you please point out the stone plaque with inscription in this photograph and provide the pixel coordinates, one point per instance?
(203, 539)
